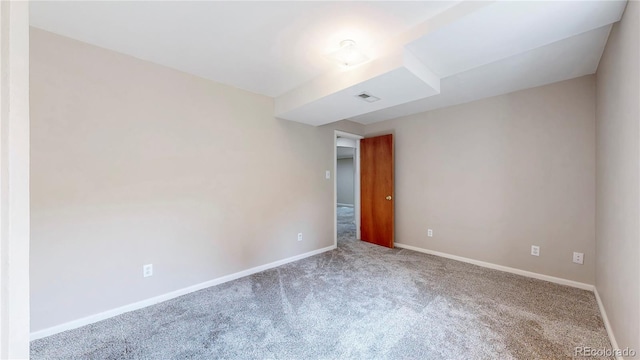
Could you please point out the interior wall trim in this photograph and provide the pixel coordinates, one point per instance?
(168, 296)
(553, 279)
(530, 274)
(607, 324)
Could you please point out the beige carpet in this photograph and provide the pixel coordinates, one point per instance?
(359, 301)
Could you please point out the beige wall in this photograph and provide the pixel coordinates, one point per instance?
(345, 126)
(134, 163)
(618, 179)
(495, 176)
(344, 183)
(14, 180)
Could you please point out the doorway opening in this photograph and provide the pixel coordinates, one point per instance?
(346, 185)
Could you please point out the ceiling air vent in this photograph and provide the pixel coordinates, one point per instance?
(367, 97)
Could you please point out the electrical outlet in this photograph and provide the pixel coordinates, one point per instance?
(299, 236)
(429, 233)
(578, 258)
(147, 270)
(535, 250)
(327, 174)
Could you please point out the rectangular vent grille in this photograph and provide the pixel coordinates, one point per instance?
(365, 96)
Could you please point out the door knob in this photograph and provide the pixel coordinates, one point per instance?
(388, 197)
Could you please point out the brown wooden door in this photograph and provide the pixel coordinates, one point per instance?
(376, 190)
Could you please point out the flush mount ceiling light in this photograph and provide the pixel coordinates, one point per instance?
(348, 54)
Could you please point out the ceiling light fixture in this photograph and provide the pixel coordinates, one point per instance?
(348, 54)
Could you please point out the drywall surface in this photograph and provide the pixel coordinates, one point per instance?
(345, 177)
(14, 180)
(495, 176)
(134, 163)
(618, 179)
(346, 126)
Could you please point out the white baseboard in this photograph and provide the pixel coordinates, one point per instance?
(553, 279)
(168, 296)
(347, 205)
(607, 324)
(530, 274)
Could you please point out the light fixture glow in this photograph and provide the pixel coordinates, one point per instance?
(348, 54)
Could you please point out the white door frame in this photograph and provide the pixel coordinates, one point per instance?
(14, 180)
(356, 182)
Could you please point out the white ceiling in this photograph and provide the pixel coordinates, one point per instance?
(265, 47)
(464, 51)
(566, 59)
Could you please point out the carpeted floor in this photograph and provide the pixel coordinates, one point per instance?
(358, 301)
